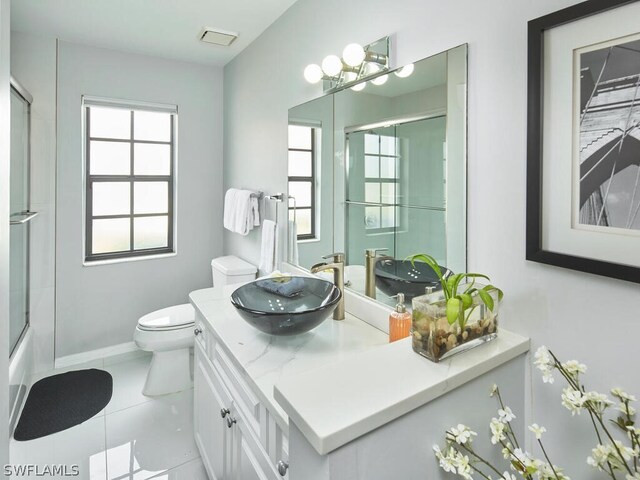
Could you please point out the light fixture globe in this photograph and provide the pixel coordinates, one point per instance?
(381, 80)
(313, 73)
(405, 71)
(359, 86)
(332, 65)
(353, 54)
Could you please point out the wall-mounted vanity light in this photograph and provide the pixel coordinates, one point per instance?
(357, 63)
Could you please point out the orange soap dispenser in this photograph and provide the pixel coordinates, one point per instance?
(399, 321)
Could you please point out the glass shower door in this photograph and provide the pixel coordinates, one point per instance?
(20, 218)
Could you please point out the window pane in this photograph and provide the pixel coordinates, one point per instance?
(150, 232)
(154, 126)
(151, 197)
(372, 217)
(388, 145)
(388, 193)
(302, 193)
(151, 159)
(300, 137)
(372, 192)
(303, 222)
(110, 235)
(109, 122)
(371, 143)
(299, 164)
(109, 158)
(388, 217)
(372, 166)
(111, 198)
(388, 167)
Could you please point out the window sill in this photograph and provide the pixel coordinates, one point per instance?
(95, 263)
(309, 240)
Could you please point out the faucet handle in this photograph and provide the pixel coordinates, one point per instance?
(338, 257)
(373, 252)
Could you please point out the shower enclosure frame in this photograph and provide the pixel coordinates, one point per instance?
(24, 94)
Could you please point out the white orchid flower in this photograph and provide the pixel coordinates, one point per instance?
(537, 430)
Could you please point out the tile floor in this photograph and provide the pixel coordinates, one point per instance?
(133, 438)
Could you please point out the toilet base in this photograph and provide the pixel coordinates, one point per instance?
(170, 372)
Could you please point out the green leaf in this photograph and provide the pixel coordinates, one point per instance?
(453, 310)
(486, 298)
(467, 300)
(491, 288)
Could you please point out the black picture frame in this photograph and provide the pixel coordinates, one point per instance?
(535, 77)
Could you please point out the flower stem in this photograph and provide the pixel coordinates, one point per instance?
(553, 469)
(509, 430)
(468, 450)
(591, 409)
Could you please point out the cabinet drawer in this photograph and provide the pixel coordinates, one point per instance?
(243, 396)
(205, 336)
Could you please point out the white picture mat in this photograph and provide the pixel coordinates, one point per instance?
(559, 134)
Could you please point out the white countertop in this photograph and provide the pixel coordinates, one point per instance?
(265, 359)
(350, 398)
(342, 379)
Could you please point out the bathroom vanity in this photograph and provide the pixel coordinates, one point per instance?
(338, 402)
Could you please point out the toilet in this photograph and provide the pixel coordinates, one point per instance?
(168, 332)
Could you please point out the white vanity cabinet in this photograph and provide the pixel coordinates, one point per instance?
(236, 436)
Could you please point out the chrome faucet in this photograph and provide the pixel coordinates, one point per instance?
(371, 257)
(338, 279)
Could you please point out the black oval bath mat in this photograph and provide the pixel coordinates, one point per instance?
(62, 401)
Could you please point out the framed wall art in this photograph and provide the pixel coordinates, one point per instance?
(583, 139)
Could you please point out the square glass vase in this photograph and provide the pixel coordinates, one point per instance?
(432, 335)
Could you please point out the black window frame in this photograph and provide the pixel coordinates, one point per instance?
(305, 179)
(379, 180)
(132, 178)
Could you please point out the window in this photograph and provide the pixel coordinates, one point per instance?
(129, 175)
(302, 155)
(381, 181)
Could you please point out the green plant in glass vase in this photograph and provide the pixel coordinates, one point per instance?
(463, 314)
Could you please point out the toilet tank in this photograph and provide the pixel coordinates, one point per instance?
(231, 269)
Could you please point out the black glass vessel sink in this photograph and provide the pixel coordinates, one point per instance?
(400, 276)
(286, 305)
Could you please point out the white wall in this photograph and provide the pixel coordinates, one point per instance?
(99, 306)
(581, 316)
(33, 64)
(5, 6)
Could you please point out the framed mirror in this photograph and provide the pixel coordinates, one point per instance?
(378, 171)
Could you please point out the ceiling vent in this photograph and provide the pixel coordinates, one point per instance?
(218, 37)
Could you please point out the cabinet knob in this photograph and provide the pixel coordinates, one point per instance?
(224, 412)
(282, 467)
(230, 422)
(197, 331)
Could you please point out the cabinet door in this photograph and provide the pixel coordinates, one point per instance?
(209, 427)
(250, 461)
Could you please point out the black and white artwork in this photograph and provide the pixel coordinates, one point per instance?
(609, 136)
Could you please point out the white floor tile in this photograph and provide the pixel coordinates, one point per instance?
(150, 438)
(128, 380)
(82, 445)
(125, 357)
(193, 470)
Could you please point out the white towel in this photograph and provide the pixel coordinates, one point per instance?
(269, 250)
(229, 208)
(241, 211)
(292, 242)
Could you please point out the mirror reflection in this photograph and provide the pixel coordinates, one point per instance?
(379, 172)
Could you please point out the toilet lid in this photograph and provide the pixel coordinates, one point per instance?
(170, 318)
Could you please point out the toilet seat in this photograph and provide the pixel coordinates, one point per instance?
(176, 317)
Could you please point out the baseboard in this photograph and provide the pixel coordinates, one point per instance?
(100, 353)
